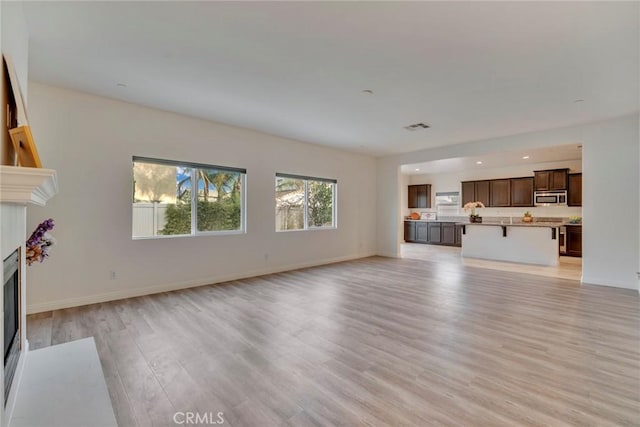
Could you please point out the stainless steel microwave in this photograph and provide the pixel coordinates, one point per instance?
(550, 198)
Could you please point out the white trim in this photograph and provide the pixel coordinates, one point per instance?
(388, 255)
(130, 293)
(195, 186)
(199, 234)
(27, 185)
(609, 283)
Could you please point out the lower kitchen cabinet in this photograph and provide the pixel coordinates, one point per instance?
(448, 235)
(458, 237)
(434, 233)
(422, 232)
(574, 240)
(409, 231)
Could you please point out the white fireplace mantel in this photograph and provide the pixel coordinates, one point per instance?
(20, 188)
(27, 185)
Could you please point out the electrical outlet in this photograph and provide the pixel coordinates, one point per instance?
(112, 275)
(266, 256)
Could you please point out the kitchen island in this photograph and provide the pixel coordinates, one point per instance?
(530, 243)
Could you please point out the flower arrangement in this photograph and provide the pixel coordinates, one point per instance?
(527, 217)
(39, 242)
(472, 206)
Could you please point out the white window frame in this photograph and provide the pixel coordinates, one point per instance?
(334, 202)
(194, 197)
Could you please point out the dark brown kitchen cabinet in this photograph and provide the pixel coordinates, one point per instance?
(558, 180)
(541, 180)
(468, 192)
(551, 180)
(574, 240)
(475, 191)
(500, 192)
(483, 192)
(575, 189)
(458, 236)
(448, 233)
(419, 196)
(409, 231)
(522, 191)
(422, 232)
(435, 232)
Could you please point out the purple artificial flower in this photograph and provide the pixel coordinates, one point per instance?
(38, 243)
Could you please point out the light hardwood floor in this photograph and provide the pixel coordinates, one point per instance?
(568, 268)
(378, 341)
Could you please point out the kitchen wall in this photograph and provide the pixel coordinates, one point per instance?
(90, 141)
(451, 182)
(611, 202)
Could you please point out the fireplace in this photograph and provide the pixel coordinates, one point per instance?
(12, 304)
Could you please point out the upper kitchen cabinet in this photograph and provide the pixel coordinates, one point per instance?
(500, 192)
(522, 191)
(475, 191)
(550, 180)
(420, 196)
(575, 189)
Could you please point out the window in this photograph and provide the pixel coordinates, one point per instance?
(176, 198)
(304, 203)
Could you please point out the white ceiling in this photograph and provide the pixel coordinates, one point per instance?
(498, 160)
(471, 70)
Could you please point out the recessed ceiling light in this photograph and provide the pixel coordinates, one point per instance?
(417, 169)
(368, 91)
(478, 162)
(525, 157)
(575, 101)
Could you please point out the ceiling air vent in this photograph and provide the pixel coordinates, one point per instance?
(416, 127)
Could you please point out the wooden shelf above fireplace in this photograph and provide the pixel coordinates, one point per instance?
(22, 185)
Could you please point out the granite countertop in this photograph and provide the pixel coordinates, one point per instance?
(545, 222)
(517, 224)
(427, 220)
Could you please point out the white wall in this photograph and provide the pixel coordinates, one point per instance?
(15, 41)
(610, 196)
(610, 205)
(90, 141)
(442, 182)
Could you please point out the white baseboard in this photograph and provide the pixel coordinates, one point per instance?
(136, 292)
(388, 254)
(609, 283)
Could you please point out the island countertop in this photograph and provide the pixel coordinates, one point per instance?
(531, 243)
(516, 224)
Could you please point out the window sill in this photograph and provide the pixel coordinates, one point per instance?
(199, 234)
(308, 229)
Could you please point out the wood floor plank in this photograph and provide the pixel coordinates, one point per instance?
(376, 341)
